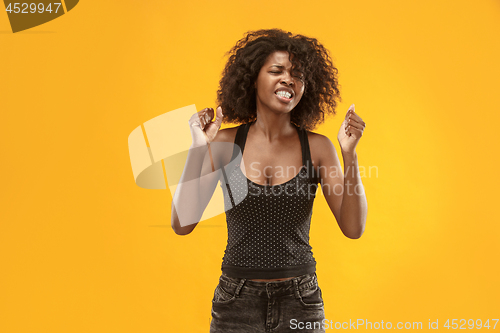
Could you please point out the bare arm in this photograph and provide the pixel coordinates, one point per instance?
(354, 208)
(344, 191)
(200, 175)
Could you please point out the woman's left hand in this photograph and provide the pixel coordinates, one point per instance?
(350, 131)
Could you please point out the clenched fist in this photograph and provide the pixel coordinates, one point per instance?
(203, 128)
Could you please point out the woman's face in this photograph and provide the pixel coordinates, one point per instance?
(278, 89)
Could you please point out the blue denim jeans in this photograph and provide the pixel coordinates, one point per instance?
(244, 306)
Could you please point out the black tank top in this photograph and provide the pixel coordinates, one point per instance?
(268, 225)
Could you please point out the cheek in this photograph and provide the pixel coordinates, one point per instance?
(300, 94)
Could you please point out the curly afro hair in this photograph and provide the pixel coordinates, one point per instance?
(237, 95)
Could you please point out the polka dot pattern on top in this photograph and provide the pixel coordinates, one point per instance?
(268, 226)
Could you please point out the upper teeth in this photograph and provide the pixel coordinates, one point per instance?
(283, 93)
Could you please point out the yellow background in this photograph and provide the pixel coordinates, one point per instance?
(83, 249)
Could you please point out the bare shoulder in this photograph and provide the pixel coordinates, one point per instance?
(226, 135)
(321, 147)
(319, 142)
(223, 145)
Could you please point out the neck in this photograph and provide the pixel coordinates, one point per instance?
(273, 126)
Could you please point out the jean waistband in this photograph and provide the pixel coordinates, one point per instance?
(291, 286)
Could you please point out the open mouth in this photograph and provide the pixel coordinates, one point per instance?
(285, 94)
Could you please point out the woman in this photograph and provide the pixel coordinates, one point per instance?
(278, 86)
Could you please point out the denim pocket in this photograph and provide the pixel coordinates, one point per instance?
(311, 297)
(223, 296)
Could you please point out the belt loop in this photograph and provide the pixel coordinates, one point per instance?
(296, 288)
(238, 289)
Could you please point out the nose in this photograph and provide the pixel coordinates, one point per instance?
(287, 79)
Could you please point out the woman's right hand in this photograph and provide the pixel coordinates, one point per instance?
(203, 129)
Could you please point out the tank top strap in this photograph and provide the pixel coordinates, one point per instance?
(306, 155)
(241, 138)
(239, 145)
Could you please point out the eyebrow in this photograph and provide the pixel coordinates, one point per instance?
(283, 67)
